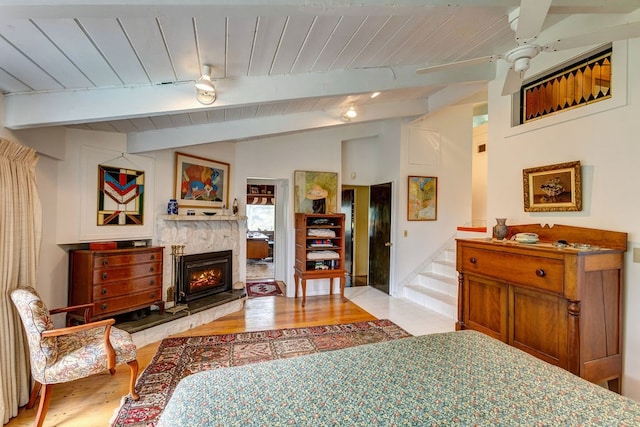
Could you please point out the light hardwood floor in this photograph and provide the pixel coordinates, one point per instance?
(93, 401)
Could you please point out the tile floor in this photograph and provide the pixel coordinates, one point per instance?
(413, 318)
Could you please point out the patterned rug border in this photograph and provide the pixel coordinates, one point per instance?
(179, 357)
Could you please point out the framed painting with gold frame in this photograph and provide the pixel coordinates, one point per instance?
(553, 188)
(201, 182)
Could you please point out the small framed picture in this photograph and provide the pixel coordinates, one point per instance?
(552, 188)
(422, 203)
(200, 182)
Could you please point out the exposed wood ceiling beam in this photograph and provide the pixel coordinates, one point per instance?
(92, 105)
(265, 126)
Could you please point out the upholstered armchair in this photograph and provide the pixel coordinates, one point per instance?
(67, 354)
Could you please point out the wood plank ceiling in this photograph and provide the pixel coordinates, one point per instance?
(130, 67)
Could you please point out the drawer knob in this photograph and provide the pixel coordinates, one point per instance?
(152, 282)
(105, 262)
(105, 276)
(153, 295)
(104, 306)
(153, 256)
(104, 291)
(540, 272)
(151, 269)
(473, 260)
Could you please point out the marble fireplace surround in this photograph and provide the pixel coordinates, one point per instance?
(198, 234)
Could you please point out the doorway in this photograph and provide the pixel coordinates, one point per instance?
(261, 230)
(380, 236)
(355, 206)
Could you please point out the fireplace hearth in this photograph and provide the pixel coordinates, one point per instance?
(202, 275)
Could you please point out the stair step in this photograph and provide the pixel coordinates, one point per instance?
(438, 282)
(433, 300)
(444, 268)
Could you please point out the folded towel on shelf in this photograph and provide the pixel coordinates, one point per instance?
(321, 232)
(323, 255)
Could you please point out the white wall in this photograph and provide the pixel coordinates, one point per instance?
(453, 170)
(603, 137)
(277, 158)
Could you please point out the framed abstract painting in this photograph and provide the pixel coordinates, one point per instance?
(422, 203)
(201, 182)
(120, 196)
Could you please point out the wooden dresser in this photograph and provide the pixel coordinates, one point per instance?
(116, 281)
(560, 304)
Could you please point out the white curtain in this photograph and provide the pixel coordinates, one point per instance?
(20, 238)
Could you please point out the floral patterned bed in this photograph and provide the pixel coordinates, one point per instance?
(456, 378)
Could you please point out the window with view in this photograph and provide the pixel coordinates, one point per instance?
(261, 217)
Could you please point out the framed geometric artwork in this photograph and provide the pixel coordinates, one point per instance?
(315, 192)
(120, 196)
(422, 200)
(200, 182)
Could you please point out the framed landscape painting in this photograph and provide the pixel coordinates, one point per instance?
(422, 203)
(552, 188)
(201, 182)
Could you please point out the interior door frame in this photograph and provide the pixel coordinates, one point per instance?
(280, 254)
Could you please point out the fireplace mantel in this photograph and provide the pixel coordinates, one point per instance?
(199, 234)
(203, 217)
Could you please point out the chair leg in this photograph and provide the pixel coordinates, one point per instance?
(133, 366)
(34, 394)
(43, 407)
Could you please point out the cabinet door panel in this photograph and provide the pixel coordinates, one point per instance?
(486, 307)
(539, 325)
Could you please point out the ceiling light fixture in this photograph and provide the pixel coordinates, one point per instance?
(351, 113)
(206, 92)
(374, 94)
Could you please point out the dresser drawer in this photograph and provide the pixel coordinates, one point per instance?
(125, 303)
(106, 259)
(125, 287)
(110, 274)
(539, 272)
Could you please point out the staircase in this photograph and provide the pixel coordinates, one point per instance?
(435, 286)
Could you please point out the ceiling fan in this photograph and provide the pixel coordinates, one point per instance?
(527, 22)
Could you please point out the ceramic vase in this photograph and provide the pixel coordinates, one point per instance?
(500, 230)
(172, 207)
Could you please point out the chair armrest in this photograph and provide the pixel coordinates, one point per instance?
(73, 329)
(88, 310)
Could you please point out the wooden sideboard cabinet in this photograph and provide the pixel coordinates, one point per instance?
(316, 235)
(560, 304)
(116, 281)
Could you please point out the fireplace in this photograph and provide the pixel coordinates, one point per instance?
(201, 275)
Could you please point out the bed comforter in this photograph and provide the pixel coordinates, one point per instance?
(458, 378)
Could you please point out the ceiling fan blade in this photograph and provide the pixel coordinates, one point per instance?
(458, 64)
(532, 16)
(512, 82)
(619, 32)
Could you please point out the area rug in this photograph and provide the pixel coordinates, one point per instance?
(264, 288)
(178, 357)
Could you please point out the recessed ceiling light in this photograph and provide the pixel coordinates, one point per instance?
(374, 94)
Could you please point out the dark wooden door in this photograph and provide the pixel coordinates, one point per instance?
(347, 209)
(380, 236)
